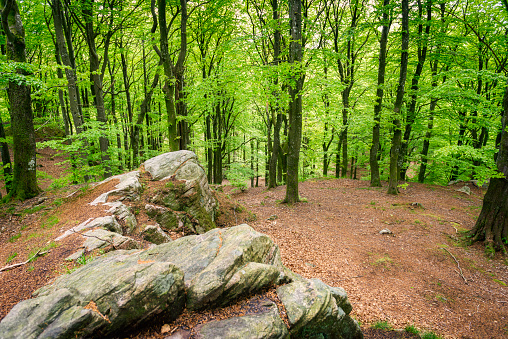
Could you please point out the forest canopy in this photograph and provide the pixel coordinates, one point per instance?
(122, 81)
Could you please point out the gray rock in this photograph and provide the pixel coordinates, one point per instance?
(211, 260)
(385, 231)
(123, 213)
(108, 222)
(313, 310)
(166, 165)
(186, 188)
(76, 255)
(155, 235)
(165, 217)
(125, 288)
(464, 189)
(128, 187)
(104, 296)
(266, 324)
(100, 238)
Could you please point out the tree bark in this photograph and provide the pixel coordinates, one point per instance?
(24, 182)
(430, 126)
(375, 180)
(275, 110)
(397, 134)
(492, 224)
(96, 79)
(295, 108)
(411, 112)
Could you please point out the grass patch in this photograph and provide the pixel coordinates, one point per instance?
(411, 329)
(33, 235)
(384, 261)
(500, 282)
(50, 222)
(15, 237)
(32, 209)
(11, 257)
(382, 325)
(58, 202)
(46, 248)
(430, 335)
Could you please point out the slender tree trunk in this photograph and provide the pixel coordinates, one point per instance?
(397, 134)
(375, 180)
(24, 182)
(430, 125)
(275, 110)
(69, 70)
(295, 109)
(96, 79)
(411, 112)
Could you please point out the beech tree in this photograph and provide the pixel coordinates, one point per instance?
(492, 224)
(24, 182)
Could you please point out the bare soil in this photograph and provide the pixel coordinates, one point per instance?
(421, 274)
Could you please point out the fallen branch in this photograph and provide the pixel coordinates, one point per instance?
(458, 265)
(39, 253)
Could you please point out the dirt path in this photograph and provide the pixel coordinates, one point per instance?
(409, 277)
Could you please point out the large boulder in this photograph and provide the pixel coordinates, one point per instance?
(265, 324)
(124, 288)
(110, 293)
(186, 186)
(314, 308)
(222, 264)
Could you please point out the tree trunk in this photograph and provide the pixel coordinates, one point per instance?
(397, 134)
(96, 79)
(492, 224)
(24, 183)
(430, 126)
(375, 180)
(411, 112)
(295, 108)
(275, 110)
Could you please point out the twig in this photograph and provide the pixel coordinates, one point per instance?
(47, 122)
(39, 253)
(458, 265)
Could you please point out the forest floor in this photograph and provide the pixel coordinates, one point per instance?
(421, 274)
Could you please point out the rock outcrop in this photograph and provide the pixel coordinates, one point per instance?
(210, 268)
(124, 288)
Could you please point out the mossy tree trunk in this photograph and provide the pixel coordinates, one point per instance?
(24, 184)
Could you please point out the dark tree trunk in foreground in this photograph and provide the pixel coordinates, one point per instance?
(295, 109)
(375, 181)
(492, 224)
(397, 133)
(24, 184)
